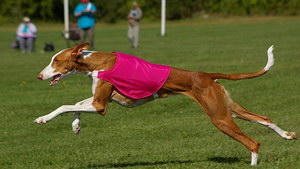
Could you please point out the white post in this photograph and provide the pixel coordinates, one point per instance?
(163, 17)
(66, 18)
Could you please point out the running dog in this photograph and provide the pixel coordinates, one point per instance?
(130, 82)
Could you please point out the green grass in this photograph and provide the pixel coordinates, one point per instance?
(165, 134)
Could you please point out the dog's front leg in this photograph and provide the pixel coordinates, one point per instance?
(102, 96)
(76, 123)
(76, 115)
(64, 109)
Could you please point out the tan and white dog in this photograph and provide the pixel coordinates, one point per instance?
(201, 87)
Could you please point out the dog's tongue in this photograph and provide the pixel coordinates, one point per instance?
(54, 80)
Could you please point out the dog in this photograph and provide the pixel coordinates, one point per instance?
(201, 87)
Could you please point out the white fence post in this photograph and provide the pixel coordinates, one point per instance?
(163, 17)
(66, 18)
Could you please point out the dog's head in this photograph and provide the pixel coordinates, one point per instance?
(63, 63)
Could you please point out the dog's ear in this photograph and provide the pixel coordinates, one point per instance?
(77, 50)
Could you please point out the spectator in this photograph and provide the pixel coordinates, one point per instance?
(26, 34)
(85, 13)
(134, 17)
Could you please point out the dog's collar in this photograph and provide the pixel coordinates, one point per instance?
(94, 74)
(86, 53)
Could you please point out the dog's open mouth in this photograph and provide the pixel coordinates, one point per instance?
(55, 79)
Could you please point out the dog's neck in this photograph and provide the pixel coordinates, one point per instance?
(94, 61)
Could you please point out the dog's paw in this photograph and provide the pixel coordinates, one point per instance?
(76, 126)
(290, 135)
(41, 120)
(76, 130)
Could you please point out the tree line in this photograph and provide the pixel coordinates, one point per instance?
(113, 10)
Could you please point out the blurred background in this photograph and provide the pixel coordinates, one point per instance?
(112, 11)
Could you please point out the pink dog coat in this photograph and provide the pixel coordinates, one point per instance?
(134, 77)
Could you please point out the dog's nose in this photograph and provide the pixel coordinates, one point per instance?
(40, 76)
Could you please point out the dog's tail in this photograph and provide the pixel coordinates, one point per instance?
(240, 76)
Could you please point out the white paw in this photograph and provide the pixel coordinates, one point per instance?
(42, 120)
(76, 126)
(290, 135)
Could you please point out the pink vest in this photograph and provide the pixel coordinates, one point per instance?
(134, 77)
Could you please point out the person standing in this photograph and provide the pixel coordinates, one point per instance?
(134, 17)
(85, 13)
(26, 34)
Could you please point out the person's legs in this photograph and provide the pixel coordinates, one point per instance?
(30, 44)
(90, 35)
(130, 34)
(82, 35)
(22, 44)
(136, 30)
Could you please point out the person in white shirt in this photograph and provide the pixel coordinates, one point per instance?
(134, 17)
(26, 35)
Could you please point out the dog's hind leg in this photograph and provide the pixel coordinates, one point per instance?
(242, 113)
(129, 102)
(213, 100)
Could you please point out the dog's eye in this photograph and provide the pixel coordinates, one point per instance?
(55, 60)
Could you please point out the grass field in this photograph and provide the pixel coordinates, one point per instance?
(169, 133)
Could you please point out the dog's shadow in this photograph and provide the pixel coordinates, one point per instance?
(229, 160)
(139, 163)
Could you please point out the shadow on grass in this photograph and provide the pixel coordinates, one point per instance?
(138, 163)
(229, 160)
